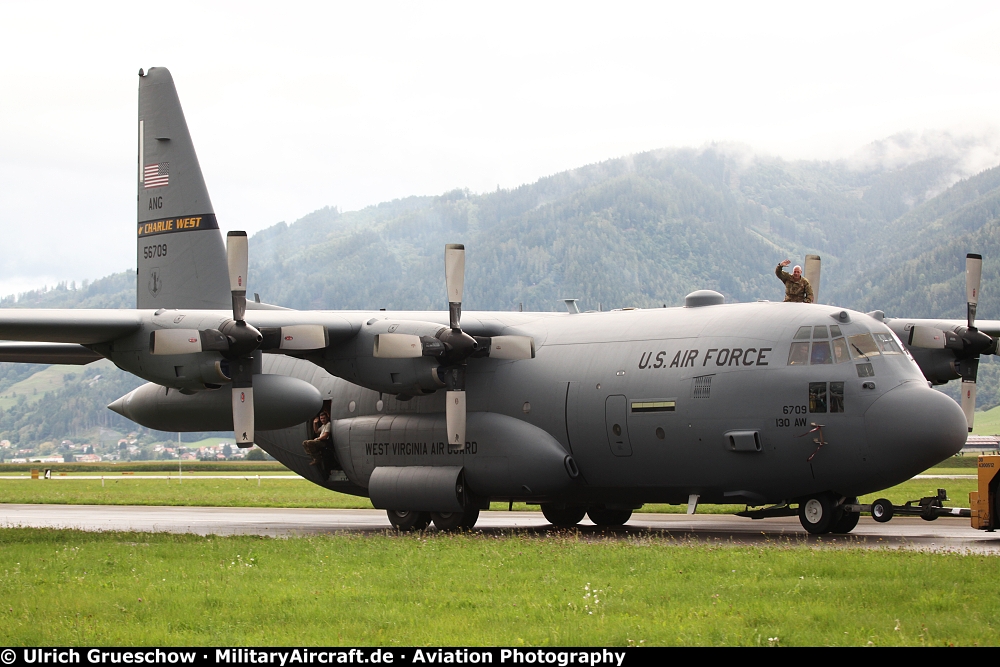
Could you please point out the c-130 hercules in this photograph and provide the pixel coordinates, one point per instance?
(435, 414)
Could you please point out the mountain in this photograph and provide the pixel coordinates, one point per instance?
(892, 223)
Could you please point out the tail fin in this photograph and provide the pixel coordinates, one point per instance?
(181, 255)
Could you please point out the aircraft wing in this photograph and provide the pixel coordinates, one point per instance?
(988, 327)
(67, 325)
(47, 353)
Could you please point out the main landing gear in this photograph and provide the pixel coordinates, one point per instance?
(567, 517)
(448, 521)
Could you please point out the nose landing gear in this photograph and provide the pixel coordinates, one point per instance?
(826, 513)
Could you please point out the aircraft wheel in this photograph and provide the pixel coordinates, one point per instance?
(848, 522)
(407, 521)
(881, 510)
(608, 518)
(817, 514)
(455, 520)
(563, 517)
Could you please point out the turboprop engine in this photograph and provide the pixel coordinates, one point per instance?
(279, 402)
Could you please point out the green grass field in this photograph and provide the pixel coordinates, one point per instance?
(73, 588)
(988, 422)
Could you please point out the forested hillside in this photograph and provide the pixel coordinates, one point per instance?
(642, 230)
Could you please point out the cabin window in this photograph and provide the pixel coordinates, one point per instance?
(836, 397)
(865, 371)
(798, 355)
(817, 397)
(862, 345)
(820, 332)
(835, 331)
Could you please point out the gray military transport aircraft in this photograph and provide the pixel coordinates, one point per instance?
(802, 407)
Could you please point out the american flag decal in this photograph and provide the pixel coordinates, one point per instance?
(156, 175)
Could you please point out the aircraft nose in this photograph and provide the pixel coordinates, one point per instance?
(910, 428)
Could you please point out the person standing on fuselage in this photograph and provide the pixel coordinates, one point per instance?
(797, 288)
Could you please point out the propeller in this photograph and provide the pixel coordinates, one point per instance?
(453, 347)
(247, 339)
(237, 341)
(967, 342)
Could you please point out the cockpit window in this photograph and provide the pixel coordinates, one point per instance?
(840, 352)
(798, 355)
(821, 353)
(887, 343)
(862, 345)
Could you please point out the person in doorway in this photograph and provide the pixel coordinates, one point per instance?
(315, 447)
(797, 288)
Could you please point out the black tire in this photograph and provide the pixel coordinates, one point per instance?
(609, 518)
(848, 521)
(449, 521)
(470, 517)
(563, 517)
(882, 510)
(817, 514)
(408, 521)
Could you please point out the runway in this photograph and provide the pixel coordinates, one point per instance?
(945, 534)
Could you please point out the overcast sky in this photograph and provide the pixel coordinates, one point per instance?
(296, 106)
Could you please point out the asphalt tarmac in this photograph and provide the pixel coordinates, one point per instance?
(945, 534)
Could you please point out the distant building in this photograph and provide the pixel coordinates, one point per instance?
(47, 459)
(88, 458)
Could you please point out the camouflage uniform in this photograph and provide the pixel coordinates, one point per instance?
(316, 446)
(800, 291)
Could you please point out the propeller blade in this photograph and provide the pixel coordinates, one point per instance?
(175, 341)
(927, 337)
(512, 347)
(243, 415)
(455, 419)
(973, 276)
(397, 346)
(237, 254)
(969, 401)
(454, 275)
(811, 272)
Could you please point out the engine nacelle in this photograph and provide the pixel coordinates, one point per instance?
(503, 458)
(413, 377)
(938, 366)
(279, 402)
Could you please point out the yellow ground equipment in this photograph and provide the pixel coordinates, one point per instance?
(984, 502)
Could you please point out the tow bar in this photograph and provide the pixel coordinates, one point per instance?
(984, 510)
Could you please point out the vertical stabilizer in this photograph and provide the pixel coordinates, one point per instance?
(181, 255)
